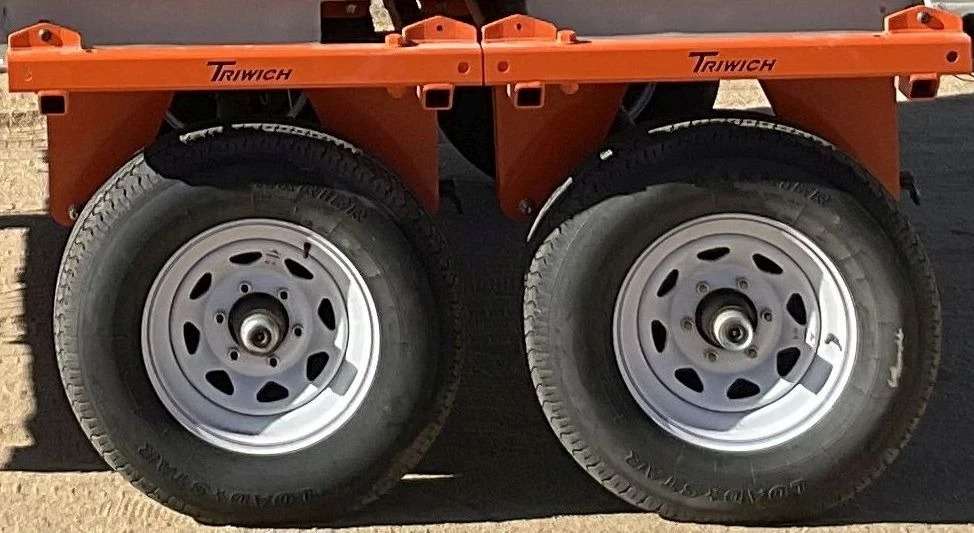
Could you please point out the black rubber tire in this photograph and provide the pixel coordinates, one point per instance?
(188, 183)
(644, 185)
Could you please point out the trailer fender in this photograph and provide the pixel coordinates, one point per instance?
(536, 148)
(858, 115)
(392, 127)
(93, 136)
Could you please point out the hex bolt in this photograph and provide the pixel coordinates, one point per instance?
(282, 294)
(245, 287)
(711, 356)
(687, 324)
(220, 317)
(767, 316)
(752, 353)
(298, 331)
(272, 361)
(702, 287)
(45, 34)
(743, 284)
(234, 354)
(924, 17)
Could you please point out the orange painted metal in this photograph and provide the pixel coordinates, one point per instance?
(538, 148)
(859, 116)
(436, 50)
(835, 84)
(88, 144)
(396, 131)
(520, 48)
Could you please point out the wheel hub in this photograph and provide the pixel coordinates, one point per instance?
(259, 322)
(726, 319)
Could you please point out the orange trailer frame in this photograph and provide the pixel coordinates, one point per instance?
(555, 94)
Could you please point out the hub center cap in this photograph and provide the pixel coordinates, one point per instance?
(260, 333)
(733, 330)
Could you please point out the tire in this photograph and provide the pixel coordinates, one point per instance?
(233, 176)
(635, 440)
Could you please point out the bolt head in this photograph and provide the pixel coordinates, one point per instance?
(711, 356)
(702, 287)
(245, 287)
(45, 34)
(233, 354)
(924, 17)
(767, 315)
(687, 324)
(743, 284)
(220, 317)
(752, 353)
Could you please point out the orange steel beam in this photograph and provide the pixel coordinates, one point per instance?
(436, 50)
(917, 40)
(440, 50)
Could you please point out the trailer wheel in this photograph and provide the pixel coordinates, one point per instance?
(726, 320)
(254, 351)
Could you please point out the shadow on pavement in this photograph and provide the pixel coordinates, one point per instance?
(497, 459)
(59, 444)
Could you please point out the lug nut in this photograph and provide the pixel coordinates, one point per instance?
(298, 331)
(220, 317)
(742, 284)
(282, 295)
(245, 287)
(702, 287)
(687, 324)
(711, 356)
(766, 315)
(272, 361)
(752, 353)
(234, 355)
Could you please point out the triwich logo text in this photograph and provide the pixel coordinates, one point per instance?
(712, 62)
(224, 71)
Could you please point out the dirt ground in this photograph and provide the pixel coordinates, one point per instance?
(496, 467)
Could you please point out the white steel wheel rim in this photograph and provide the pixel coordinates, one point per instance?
(328, 308)
(714, 410)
